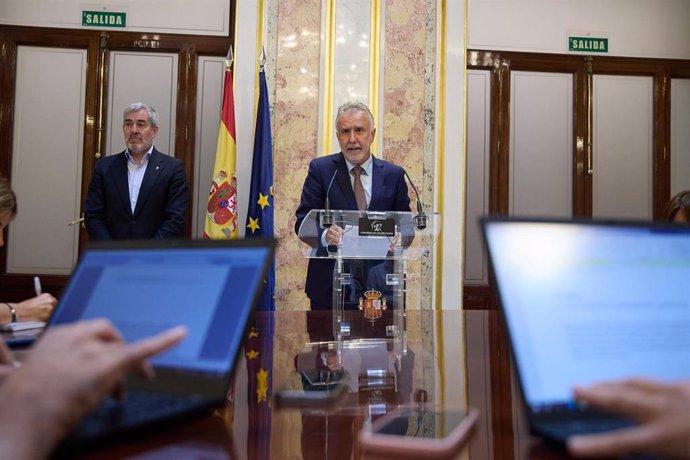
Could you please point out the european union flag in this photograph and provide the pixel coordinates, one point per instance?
(260, 209)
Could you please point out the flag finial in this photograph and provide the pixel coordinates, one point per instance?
(262, 58)
(229, 58)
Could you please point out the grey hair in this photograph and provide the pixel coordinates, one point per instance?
(137, 106)
(356, 106)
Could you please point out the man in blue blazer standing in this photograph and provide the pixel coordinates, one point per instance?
(357, 180)
(140, 193)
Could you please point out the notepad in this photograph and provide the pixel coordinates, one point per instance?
(22, 326)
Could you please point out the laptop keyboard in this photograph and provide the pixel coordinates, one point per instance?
(563, 430)
(141, 407)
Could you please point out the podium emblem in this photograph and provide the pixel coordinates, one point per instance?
(373, 304)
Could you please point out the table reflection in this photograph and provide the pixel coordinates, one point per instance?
(451, 358)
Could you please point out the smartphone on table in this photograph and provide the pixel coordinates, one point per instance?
(420, 431)
(321, 389)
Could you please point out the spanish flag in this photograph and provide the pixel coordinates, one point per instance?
(221, 213)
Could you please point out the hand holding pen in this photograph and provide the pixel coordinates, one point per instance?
(37, 308)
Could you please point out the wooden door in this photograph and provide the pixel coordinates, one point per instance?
(62, 98)
(570, 136)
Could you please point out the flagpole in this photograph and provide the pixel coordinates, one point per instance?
(262, 59)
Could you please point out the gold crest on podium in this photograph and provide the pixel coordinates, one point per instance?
(373, 304)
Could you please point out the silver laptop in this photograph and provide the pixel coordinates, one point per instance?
(146, 287)
(590, 301)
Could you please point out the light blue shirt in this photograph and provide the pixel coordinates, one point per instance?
(135, 176)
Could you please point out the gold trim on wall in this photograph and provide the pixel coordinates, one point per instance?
(441, 123)
(463, 150)
(259, 47)
(328, 75)
(441, 120)
(374, 61)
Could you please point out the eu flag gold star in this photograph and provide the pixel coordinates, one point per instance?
(253, 224)
(253, 333)
(263, 200)
(261, 386)
(252, 354)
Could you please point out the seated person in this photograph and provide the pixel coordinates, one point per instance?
(37, 308)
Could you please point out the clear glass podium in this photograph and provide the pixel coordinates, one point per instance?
(370, 262)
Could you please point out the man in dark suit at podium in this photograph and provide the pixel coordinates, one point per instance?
(140, 193)
(358, 181)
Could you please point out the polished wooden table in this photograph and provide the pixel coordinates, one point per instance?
(454, 358)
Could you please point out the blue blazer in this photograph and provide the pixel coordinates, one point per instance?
(388, 193)
(161, 209)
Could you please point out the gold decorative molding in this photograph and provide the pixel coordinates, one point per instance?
(374, 60)
(260, 52)
(328, 75)
(103, 51)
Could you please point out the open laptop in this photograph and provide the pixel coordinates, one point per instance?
(586, 302)
(147, 287)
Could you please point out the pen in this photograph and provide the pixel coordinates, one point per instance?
(37, 285)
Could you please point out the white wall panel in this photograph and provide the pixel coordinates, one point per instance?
(541, 144)
(680, 135)
(142, 77)
(451, 159)
(478, 154)
(645, 28)
(205, 17)
(623, 147)
(47, 150)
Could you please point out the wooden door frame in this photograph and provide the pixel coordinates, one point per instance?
(16, 287)
(502, 63)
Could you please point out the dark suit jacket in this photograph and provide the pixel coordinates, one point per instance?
(388, 193)
(161, 206)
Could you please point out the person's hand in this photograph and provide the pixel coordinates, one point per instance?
(36, 308)
(64, 377)
(334, 235)
(393, 243)
(662, 410)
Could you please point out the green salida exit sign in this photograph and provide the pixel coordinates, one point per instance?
(588, 44)
(103, 19)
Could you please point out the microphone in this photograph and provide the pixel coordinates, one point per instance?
(326, 219)
(421, 220)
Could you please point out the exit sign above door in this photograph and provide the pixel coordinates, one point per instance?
(103, 19)
(588, 44)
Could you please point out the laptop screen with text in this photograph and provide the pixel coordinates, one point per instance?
(591, 301)
(147, 288)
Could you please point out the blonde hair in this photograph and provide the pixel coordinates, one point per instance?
(8, 200)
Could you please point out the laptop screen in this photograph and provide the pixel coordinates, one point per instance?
(143, 288)
(591, 301)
